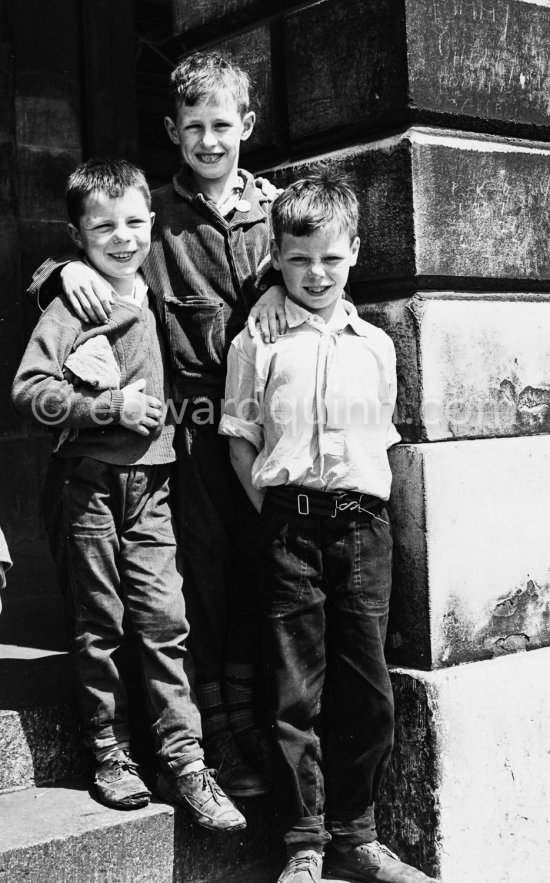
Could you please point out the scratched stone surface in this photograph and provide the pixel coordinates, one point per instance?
(471, 550)
(191, 15)
(351, 61)
(253, 48)
(446, 205)
(345, 62)
(469, 365)
(480, 58)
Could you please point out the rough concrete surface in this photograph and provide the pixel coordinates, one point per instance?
(61, 834)
(472, 549)
(469, 365)
(484, 732)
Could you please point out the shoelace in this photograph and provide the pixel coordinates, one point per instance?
(302, 863)
(125, 763)
(209, 784)
(384, 849)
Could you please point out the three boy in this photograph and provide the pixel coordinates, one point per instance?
(106, 501)
(310, 419)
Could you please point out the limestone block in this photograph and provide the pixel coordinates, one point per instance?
(345, 62)
(471, 550)
(440, 205)
(467, 793)
(353, 62)
(192, 15)
(469, 365)
(48, 111)
(42, 176)
(253, 50)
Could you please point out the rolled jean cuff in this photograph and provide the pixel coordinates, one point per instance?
(349, 830)
(176, 766)
(108, 737)
(308, 831)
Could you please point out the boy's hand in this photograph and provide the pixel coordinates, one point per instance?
(88, 294)
(140, 412)
(268, 315)
(268, 189)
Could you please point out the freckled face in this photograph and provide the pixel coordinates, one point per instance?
(315, 268)
(209, 135)
(115, 233)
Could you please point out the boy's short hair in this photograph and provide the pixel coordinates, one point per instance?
(323, 199)
(110, 176)
(202, 75)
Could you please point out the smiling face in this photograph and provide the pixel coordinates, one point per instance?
(315, 268)
(209, 135)
(115, 235)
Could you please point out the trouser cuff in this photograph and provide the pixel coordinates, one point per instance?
(177, 766)
(348, 830)
(305, 833)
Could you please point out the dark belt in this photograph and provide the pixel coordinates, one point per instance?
(305, 501)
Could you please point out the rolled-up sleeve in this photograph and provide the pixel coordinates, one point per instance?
(242, 412)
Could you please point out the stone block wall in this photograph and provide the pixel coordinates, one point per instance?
(440, 113)
(67, 91)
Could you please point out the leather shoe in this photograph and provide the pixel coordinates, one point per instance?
(305, 866)
(372, 863)
(118, 784)
(204, 799)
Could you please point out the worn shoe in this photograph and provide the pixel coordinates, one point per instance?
(372, 862)
(305, 866)
(235, 775)
(118, 784)
(204, 799)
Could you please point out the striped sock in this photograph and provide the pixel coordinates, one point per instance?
(238, 693)
(213, 716)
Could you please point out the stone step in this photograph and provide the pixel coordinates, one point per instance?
(62, 835)
(40, 738)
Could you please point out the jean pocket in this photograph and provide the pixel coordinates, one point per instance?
(201, 329)
(372, 569)
(87, 499)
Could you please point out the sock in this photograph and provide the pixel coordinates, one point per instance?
(194, 767)
(213, 716)
(238, 690)
(104, 753)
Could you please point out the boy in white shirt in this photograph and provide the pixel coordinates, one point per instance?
(310, 420)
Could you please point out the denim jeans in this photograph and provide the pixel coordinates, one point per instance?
(111, 534)
(325, 593)
(218, 529)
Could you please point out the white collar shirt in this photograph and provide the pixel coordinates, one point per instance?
(317, 404)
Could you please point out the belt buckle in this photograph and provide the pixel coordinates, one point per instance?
(301, 498)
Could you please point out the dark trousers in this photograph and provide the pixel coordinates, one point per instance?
(325, 594)
(218, 535)
(112, 538)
